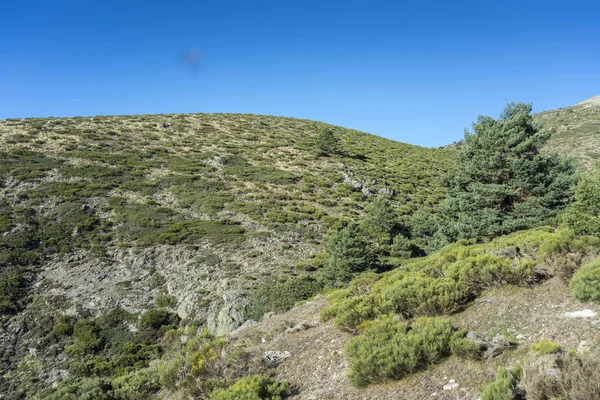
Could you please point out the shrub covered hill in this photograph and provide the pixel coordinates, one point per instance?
(222, 256)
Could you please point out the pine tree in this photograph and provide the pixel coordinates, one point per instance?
(326, 141)
(583, 216)
(348, 253)
(380, 223)
(503, 182)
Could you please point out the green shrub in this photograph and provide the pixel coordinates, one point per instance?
(139, 385)
(391, 350)
(165, 301)
(158, 319)
(502, 388)
(416, 294)
(545, 346)
(380, 223)
(254, 387)
(196, 368)
(479, 271)
(87, 338)
(401, 247)
(279, 297)
(12, 288)
(463, 347)
(63, 325)
(82, 388)
(585, 283)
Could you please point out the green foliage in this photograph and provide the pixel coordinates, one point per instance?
(87, 338)
(281, 296)
(12, 288)
(197, 368)
(253, 387)
(82, 389)
(158, 319)
(380, 223)
(447, 280)
(165, 301)
(416, 294)
(501, 388)
(401, 247)
(545, 346)
(139, 385)
(463, 347)
(240, 167)
(583, 216)
(348, 254)
(326, 141)
(585, 283)
(391, 350)
(503, 182)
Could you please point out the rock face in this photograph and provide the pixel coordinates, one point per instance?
(226, 316)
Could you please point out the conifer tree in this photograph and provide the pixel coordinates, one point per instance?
(583, 216)
(348, 253)
(503, 182)
(326, 141)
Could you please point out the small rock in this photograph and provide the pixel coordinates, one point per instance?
(452, 384)
(272, 358)
(581, 314)
(302, 326)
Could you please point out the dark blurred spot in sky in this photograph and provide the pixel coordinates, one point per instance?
(191, 60)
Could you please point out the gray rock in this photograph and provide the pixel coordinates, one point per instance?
(386, 192)
(272, 358)
(247, 324)
(225, 317)
(302, 326)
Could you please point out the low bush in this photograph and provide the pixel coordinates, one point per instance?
(158, 319)
(387, 349)
(585, 283)
(447, 280)
(279, 297)
(253, 387)
(504, 386)
(139, 385)
(165, 301)
(197, 368)
(462, 347)
(416, 294)
(545, 346)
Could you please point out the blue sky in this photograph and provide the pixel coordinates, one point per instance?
(417, 71)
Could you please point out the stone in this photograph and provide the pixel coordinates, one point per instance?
(452, 384)
(272, 358)
(581, 314)
(302, 326)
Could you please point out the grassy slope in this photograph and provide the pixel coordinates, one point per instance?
(577, 131)
(223, 200)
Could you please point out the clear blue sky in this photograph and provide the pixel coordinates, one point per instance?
(418, 71)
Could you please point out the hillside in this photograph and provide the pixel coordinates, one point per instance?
(577, 130)
(117, 212)
(187, 257)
